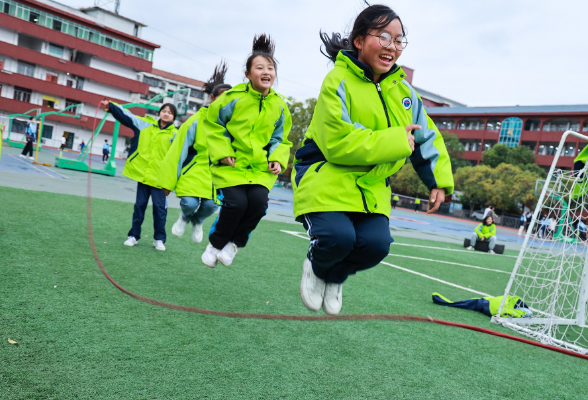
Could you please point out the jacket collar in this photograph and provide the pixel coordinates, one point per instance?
(246, 87)
(349, 59)
(165, 127)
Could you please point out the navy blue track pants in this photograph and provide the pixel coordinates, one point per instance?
(342, 243)
(159, 211)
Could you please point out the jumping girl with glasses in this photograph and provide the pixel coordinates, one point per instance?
(149, 146)
(185, 168)
(367, 121)
(247, 130)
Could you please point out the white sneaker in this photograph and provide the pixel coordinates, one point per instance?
(158, 244)
(333, 298)
(491, 252)
(131, 241)
(31, 158)
(227, 254)
(209, 256)
(197, 233)
(470, 248)
(179, 227)
(312, 288)
(22, 156)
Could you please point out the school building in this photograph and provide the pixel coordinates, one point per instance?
(53, 56)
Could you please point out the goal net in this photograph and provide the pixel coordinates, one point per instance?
(551, 271)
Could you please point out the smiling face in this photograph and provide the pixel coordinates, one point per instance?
(262, 74)
(488, 221)
(166, 115)
(370, 51)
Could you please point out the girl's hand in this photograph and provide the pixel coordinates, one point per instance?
(409, 129)
(104, 103)
(166, 192)
(228, 161)
(275, 167)
(435, 199)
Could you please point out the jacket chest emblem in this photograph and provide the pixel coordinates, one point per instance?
(407, 103)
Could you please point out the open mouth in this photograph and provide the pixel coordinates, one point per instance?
(386, 59)
(265, 79)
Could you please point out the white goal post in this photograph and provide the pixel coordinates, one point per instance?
(551, 271)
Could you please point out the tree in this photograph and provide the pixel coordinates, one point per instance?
(407, 181)
(474, 183)
(521, 155)
(301, 116)
(496, 155)
(455, 149)
(535, 169)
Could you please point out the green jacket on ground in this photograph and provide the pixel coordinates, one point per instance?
(357, 139)
(148, 147)
(186, 167)
(254, 129)
(485, 231)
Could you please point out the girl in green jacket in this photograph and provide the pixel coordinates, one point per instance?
(368, 120)
(486, 231)
(185, 168)
(151, 141)
(247, 132)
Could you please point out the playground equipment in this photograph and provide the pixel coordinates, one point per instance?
(41, 118)
(551, 273)
(19, 144)
(109, 168)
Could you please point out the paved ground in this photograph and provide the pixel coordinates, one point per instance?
(21, 173)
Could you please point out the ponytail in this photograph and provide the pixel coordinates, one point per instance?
(263, 46)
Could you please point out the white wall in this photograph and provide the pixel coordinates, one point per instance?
(107, 91)
(8, 35)
(113, 68)
(113, 21)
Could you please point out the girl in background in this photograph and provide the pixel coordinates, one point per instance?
(368, 120)
(247, 132)
(185, 168)
(149, 146)
(486, 231)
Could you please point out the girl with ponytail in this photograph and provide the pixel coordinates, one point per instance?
(368, 120)
(185, 168)
(247, 130)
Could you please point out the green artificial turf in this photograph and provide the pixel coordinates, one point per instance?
(80, 337)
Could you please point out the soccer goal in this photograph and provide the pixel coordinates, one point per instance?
(551, 271)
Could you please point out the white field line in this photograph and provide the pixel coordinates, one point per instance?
(299, 234)
(451, 263)
(442, 248)
(32, 165)
(54, 172)
(436, 279)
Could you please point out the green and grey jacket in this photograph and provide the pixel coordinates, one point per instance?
(185, 167)
(148, 147)
(485, 231)
(357, 139)
(254, 129)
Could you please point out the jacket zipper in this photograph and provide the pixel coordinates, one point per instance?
(132, 158)
(365, 206)
(320, 166)
(260, 103)
(383, 103)
(186, 171)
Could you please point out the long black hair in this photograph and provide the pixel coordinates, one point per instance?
(217, 81)
(264, 46)
(372, 18)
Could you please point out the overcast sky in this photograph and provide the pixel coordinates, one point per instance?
(481, 53)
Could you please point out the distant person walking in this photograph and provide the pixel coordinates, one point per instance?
(522, 222)
(82, 146)
(63, 141)
(395, 200)
(489, 211)
(105, 151)
(417, 204)
(30, 132)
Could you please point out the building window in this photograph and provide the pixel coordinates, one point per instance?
(584, 127)
(530, 145)
(70, 102)
(33, 17)
(471, 124)
(22, 94)
(26, 69)
(51, 78)
(494, 124)
(154, 82)
(547, 149)
(561, 125)
(488, 144)
(192, 106)
(1, 63)
(19, 126)
(532, 124)
(47, 132)
(569, 150)
(56, 25)
(471, 145)
(199, 94)
(56, 50)
(510, 132)
(6, 8)
(444, 124)
(136, 30)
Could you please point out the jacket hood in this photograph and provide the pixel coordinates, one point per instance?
(349, 59)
